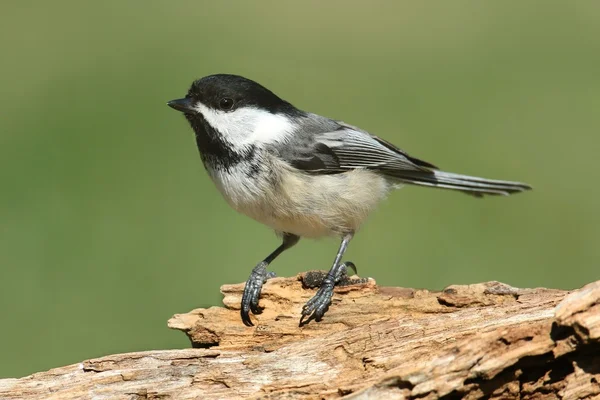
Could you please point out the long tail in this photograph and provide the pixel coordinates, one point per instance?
(469, 184)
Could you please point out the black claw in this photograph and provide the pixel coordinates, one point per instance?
(349, 264)
(251, 294)
(246, 318)
(258, 277)
(318, 305)
(314, 313)
(254, 307)
(304, 321)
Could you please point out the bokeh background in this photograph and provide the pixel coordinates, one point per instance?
(109, 223)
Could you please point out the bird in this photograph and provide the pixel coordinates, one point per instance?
(302, 174)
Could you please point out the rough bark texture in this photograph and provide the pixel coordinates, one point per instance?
(487, 340)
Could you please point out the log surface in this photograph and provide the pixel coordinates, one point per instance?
(486, 340)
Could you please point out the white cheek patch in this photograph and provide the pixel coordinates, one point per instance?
(247, 125)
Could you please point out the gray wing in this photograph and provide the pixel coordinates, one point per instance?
(325, 146)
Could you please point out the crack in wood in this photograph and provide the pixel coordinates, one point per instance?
(494, 341)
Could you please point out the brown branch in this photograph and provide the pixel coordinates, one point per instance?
(486, 340)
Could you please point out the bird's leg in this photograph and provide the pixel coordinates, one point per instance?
(258, 277)
(316, 307)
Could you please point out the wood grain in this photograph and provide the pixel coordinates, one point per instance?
(487, 340)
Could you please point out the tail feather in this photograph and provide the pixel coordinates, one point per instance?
(469, 184)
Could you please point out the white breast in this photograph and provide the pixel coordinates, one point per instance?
(292, 201)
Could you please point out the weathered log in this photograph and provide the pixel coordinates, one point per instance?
(486, 340)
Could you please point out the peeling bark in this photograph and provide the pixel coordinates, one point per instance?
(487, 340)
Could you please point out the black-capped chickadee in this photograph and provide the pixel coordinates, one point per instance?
(301, 174)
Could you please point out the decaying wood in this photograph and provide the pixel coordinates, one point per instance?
(486, 340)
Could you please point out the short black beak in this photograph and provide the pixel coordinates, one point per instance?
(184, 105)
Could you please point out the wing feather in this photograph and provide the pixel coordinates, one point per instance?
(324, 146)
(329, 147)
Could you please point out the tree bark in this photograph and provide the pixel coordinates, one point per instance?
(487, 340)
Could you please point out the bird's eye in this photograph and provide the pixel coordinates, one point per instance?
(226, 103)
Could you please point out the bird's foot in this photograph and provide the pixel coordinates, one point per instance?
(318, 305)
(254, 284)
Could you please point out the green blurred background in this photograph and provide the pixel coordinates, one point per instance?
(109, 224)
